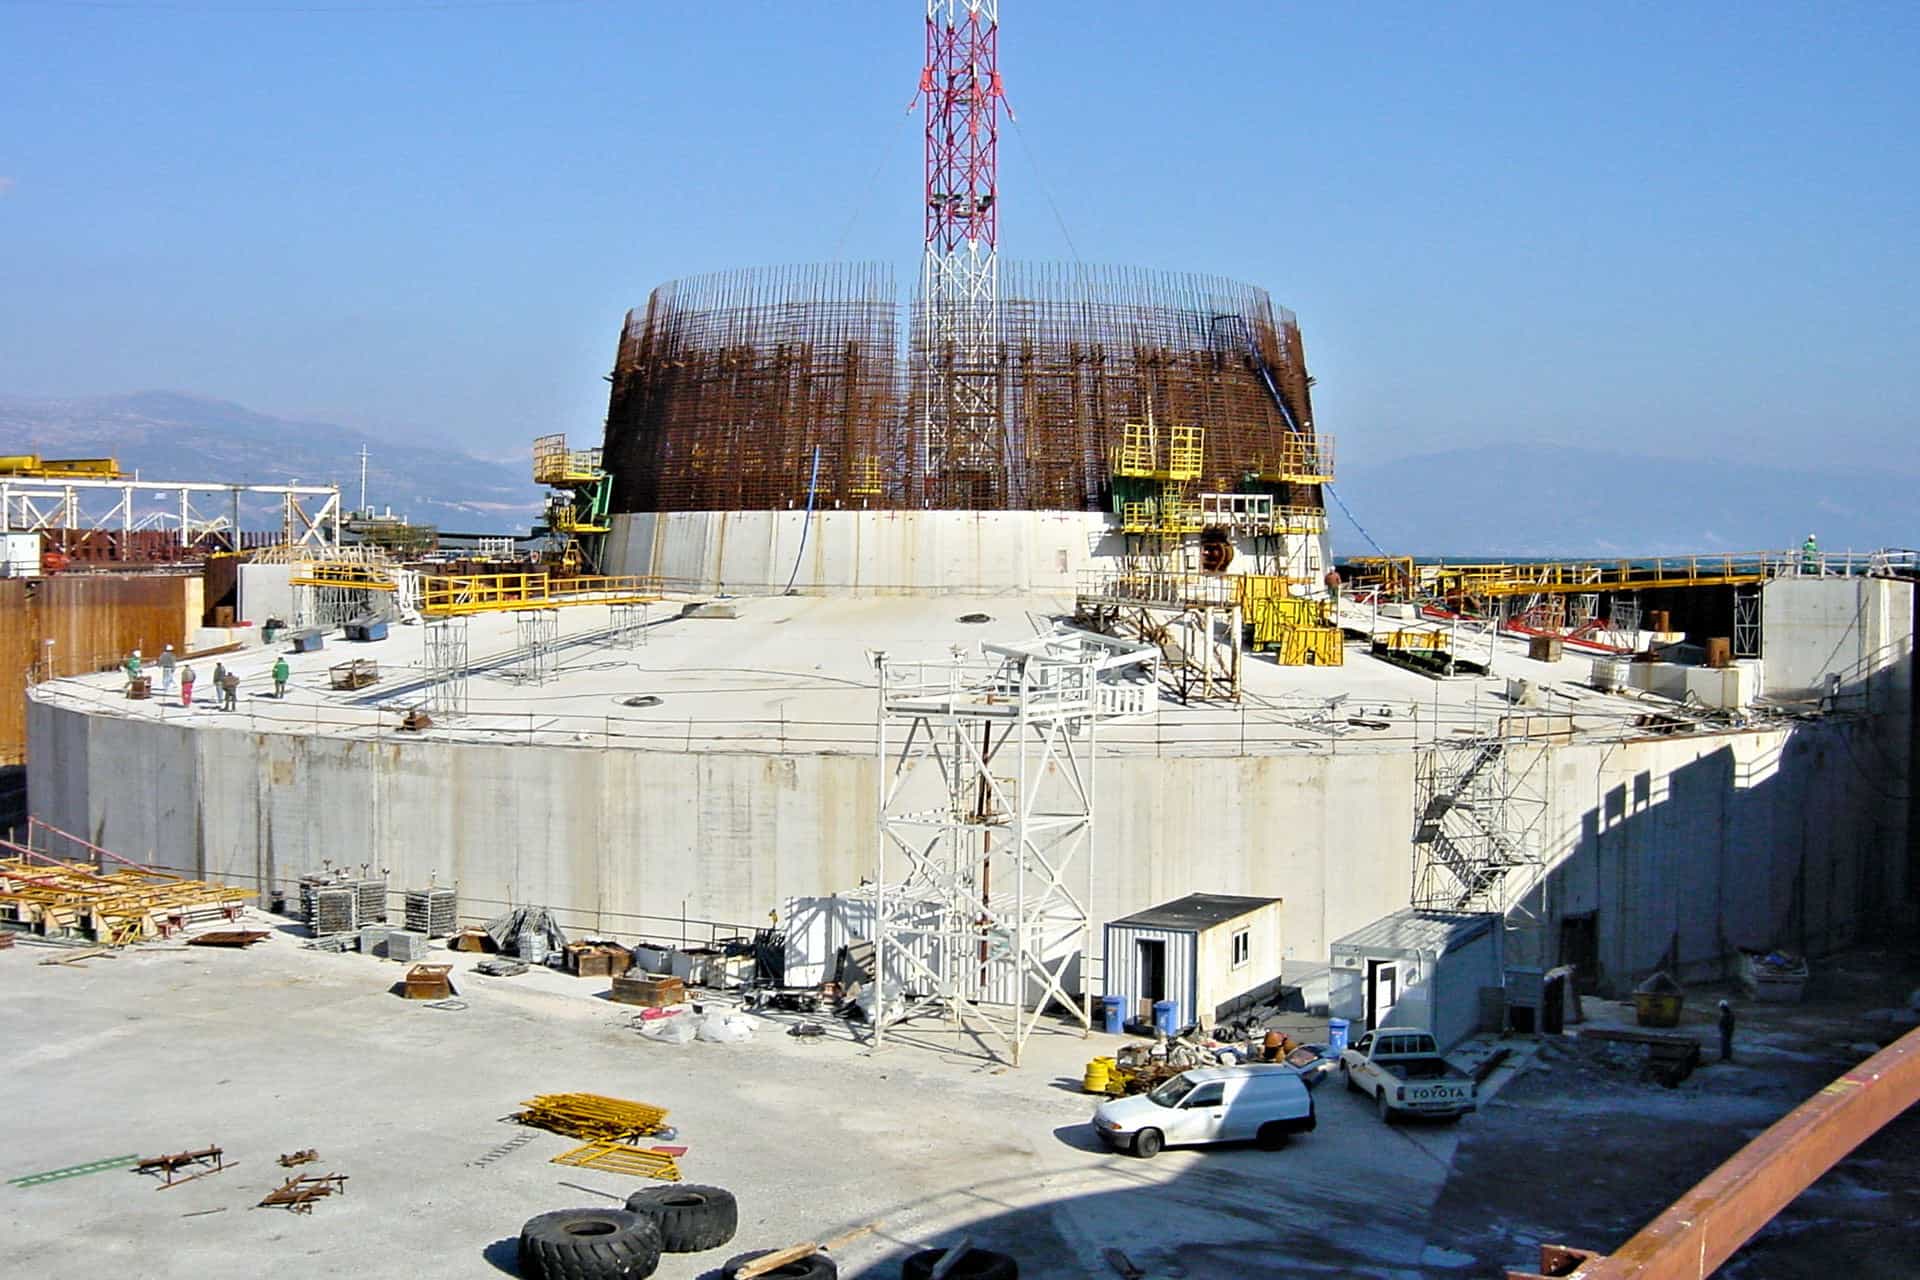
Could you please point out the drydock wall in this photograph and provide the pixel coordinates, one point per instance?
(721, 836)
(885, 552)
(1680, 848)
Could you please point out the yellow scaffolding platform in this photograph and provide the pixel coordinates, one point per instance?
(556, 465)
(1150, 452)
(1161, 515)
(1300, 459)
(464, 596)
(565, 517)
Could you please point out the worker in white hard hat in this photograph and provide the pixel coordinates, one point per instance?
(132, 667)
(167, 661)
(1810, 556)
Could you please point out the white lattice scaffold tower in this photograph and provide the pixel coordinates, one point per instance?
(986, 840)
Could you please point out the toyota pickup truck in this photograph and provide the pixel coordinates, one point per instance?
(1402, 1070)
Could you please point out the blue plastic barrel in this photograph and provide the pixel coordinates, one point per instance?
(1114, 1008)
(1164, 1012)
(1336, 1036)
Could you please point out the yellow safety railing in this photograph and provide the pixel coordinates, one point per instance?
(1141, 457)
(1185, 445)
(1489, 580)
(1431, 641)
(1300, 459)
(1168, 587)
(460, 596)
(355, 577)
(1136, 456)
(555, 464)
(565, 517)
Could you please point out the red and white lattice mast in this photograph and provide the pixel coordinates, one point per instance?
(963, 456)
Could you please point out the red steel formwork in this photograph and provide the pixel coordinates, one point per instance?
(725, 386)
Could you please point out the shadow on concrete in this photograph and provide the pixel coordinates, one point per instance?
(1727, 851)
(504, 1255)
(1081, 1137)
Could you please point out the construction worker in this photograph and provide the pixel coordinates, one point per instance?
(166, 669)
(186, 685)
(132, 666)
(1726, 1032)
(280, 674)
(230, 692)
(1810, 556)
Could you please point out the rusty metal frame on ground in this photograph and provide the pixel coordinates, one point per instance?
(1708, 1225)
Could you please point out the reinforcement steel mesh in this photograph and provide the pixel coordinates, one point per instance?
(748, 390)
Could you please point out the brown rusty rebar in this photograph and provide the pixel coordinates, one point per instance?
(725, 386)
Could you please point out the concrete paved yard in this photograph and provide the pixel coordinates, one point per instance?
(278, 1049)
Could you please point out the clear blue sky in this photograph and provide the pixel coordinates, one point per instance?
(1670, 228)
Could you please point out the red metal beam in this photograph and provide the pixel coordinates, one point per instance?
(1706, 1226)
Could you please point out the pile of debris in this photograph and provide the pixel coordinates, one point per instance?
(528, 932)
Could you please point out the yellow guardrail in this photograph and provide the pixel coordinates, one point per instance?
(1300, 459)
(555, 464)
(356, 577)
(464, 595)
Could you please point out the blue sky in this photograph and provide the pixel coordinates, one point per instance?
(1662, 228)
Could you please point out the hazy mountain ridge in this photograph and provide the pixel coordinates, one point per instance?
(170, 435)
(1552, 500)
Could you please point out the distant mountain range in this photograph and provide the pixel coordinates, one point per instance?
(1547, 500)
(169, 435)
(1494, 500)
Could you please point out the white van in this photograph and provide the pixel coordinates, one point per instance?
(1210, 1104)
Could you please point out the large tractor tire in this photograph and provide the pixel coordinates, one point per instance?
(691, 1218)
(589, 1244)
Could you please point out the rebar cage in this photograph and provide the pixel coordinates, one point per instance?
(776, 388)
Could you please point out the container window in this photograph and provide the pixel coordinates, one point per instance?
(1242, 948)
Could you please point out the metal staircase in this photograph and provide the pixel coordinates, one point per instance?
(1477, 810)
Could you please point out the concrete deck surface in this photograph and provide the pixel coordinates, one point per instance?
(275, 1049)
(795, 673)
(278, 1048)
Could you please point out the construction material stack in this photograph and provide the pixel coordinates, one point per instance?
(431, 911)
(372, 900)
(329, 904)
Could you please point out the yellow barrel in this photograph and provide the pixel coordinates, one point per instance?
(1098, 1075)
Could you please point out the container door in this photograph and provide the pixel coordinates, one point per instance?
(1383, 991)
(1150, 955)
